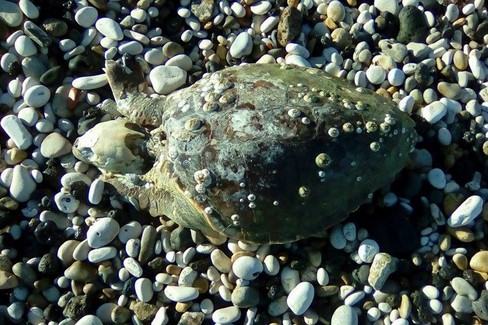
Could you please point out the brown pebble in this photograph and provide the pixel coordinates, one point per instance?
(460, 60)
(201, 284)
(330, 23)
(290, 24)
(173, 269)
(461, 261)
(238, 254)
(444, 242)
(327, 291)
(462, 234)
(479, 261)
(484, 212)
(17, 155)
(405, 307)
(181, 307)
(120, 315)
(8, 280)
(452, 201)
(8, 203)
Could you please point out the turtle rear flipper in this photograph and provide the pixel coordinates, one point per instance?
(127, 81)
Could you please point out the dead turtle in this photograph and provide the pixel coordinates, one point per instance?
(263, 153)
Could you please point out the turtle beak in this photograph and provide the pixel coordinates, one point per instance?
(117, 147)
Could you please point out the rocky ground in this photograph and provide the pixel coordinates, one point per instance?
(73, 253)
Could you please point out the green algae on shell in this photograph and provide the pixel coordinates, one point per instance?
(284, 153)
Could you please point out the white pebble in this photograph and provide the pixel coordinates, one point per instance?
(300, 298)
(133, 266)
(367, 250)
(143, 289)
(131, 230)
(90, 82)
(271, 265)
(396, 77)
(322, 276)
(86, 16)
(17, 132)
(29, 9)
(25, 46)
(337, 239)
(469, 210)
(95, 192)
(433, 112)
(241, 46)
(66, 202)
(37, 96)
(167, 79)
(247, 267)
(102, 254)
(180, 294)
(375, 74)
(109, 28)
(102, 232)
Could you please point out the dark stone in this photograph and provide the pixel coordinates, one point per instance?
(85, 64)
(53, 76)
(48, 233)
(52, 174)
(14, 69)
(129, 287)
(289, 26)
(361, 274)
(180, 238)
(77, 307)
(275, 291)
(412, 25)
(420, 307)
(200, 266)
(480, 306)
(449, 271)
(481, 31)
(245, 297)
(6, 218)
(79, 190)
(49, 264)
(212, 66)
(108, 274)
(52, 313)
(155, 266)
(55, 27)
(36, 34)
(202, 9)
(387, 24)
(423, 75)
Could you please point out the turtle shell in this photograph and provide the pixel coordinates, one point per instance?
(270, 153)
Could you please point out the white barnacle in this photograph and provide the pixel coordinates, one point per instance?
(348, 127)
(310, 98)
(210, 106)
(303, 191)
(242, 184)
(305, 120)
(208, 210)
(385, 127)
(371, 126)
(211, 97)
(252, 205)
(294, 113)
(276, 203)
(374, 146)
(322, 160)
(389, 119)
(234, 217)
(321, 174)
(193, 124)
(200, 188)
(203, 177)
(353, 164)
(181, 103)
(359, 178)
(360, 106)
(251, 197)
(333, 132)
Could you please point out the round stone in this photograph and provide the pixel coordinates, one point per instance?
(86, 16)
(109, 27)
(66, 202)
(479, 262)
(131, 230)
(396, 77)
(367, 249)
(245, 297)
(89, 320)
(437, 178)
(344, 315)
(22, 185)
(102, 232)
(55, 145)
(25, 46)
(300, 298)
(37, 96)
(271, 265)
(336, 11)
(241, 46)
(247, 267)
(375, 74)
(143, 289)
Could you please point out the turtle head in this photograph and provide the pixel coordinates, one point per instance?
(118, 147)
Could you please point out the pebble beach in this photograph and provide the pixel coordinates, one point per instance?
(73, 252)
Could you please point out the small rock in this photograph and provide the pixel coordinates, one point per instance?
(148, 240)
(450, 90)
(98, 255)
(120, 315)
(336, 11)
(437, 178)
(367, 250)
(23, 185)
(289, 278)
(381, 268)
(344, 315)
(241, 46)
(55, 145)
(8, 280)
(413, 24)
(289, 26)
(86, 16)
(247, 267)
(66, 202)
(433, 112)
(81, 272)
(143, 289)
(203, 10)
(468, 211)
(221, 261)
(144, 311)
(109, 27)
(55, 27)
(226, 315)
(102, 232)
(89, 320)
(90, 82)
(480, 306)
(167, 79)
(180, 294)
(461, 304)
(300, 298)
(14, 128)
(375, 74)
(479, 262)
(25, 46)
(464, 288)
(245, 297)
(10, 14)
(130, 230)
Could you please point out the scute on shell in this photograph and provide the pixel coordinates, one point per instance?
(270, 153)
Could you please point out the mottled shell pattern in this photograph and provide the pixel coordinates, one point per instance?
(270, 153)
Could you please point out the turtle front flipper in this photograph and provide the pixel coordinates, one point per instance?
(128, 84)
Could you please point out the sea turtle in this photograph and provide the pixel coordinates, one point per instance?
(264, 153)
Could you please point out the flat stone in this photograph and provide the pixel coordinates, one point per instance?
(120, 315)
(14, 128)
(461, 304)
(300, 298)
(344, 315)
(221, 261)
(98, 255)
(226, 315)
(181, 61)
(95, 193)
(29, 9)
(10, 14)
(165, 79)
(55, 145)
(148, 240)
(278, 306)
(289, 25)
(181, 294)
(102, 232)
(450, 90)
(480, 306)
(381, 268)
(133, 266)
(433, 112)
(8, 280)
(90, 82)
(65, 251)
